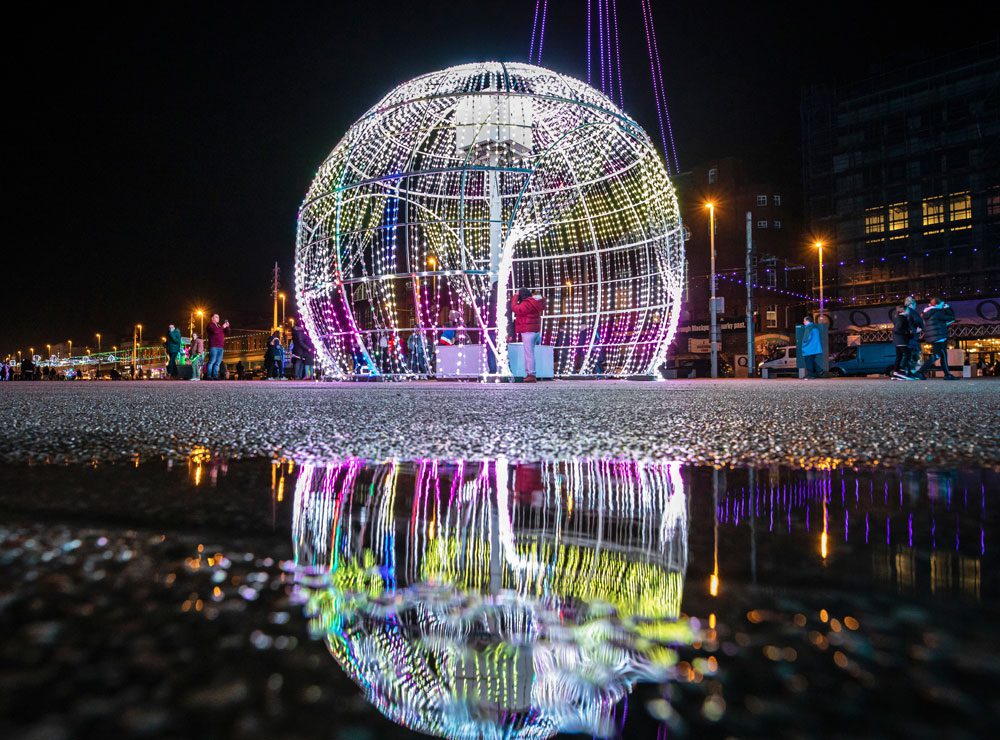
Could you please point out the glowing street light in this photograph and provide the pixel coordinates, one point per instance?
(714, 340)
(819, 246)
(48, 350)
(98, 335)
(70, 347)
(282, 297)
(201, 317)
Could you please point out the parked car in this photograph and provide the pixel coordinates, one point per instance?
(781, 362)
(864, 359)
(694, 366)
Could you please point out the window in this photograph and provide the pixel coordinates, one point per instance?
(993, 202)
(874, 223)
(960, 209)
(713, 175)
(776, 199)
(772, 317)
(762, 224)
(933, 215)
(777, 224)
(897, 220)
(762, 200)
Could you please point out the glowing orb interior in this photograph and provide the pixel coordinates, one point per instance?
(462, 186)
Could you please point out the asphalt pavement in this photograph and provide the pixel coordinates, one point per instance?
(798, 423)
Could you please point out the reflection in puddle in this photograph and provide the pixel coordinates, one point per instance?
(496, 599)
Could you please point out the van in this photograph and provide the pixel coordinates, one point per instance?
(864, 359)
(782, 362)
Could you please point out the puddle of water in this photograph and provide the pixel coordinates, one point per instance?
(503, 599)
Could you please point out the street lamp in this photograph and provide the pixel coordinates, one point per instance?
(714, 338)
(819, 246)
(201, 317)
(70, 348)
(282, 297)
(48, 351)
(98, 335)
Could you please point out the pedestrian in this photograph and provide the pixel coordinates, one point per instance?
(216, 333)
(903, 331)
(417, 348)
(527, 310)
(812, 348)
(240, 369)
(302, 352)
(917, 321)
(196, 355)
(274, 356)
(938, 316)
(173, 347)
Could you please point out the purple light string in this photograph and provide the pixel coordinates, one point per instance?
(534, 30)
(663, 89)
(541, 35)
(607, 46)
(600, 38)
(590, 34)
(618, 55)
(656, 92)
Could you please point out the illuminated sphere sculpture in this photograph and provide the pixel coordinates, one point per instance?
(462, 186)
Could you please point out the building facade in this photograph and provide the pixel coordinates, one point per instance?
(902, 181)
(778, 288)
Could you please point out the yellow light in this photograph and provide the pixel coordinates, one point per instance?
(818, 245)
(281, 296)
(710, 205)
(200, 312)
(713, 584)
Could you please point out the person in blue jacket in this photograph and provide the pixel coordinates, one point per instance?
(812, 347)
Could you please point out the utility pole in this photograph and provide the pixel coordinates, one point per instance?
(751, 363)
(712, 307)
(275, 291)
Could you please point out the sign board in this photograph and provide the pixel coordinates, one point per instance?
(720, 304)
(699, 345)
(740, 371)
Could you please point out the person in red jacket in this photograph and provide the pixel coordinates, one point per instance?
(527, 309)
(216, 333)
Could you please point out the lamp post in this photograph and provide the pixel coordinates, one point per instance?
(282, 297)
(48, 350)
(98, 335)
(819, 246)
(201, 327)
(70, 348)
(714, 340)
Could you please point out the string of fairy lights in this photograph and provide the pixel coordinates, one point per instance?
(460, 187)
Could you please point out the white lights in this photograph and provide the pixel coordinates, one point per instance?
(464, 185)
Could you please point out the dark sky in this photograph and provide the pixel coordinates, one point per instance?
(160, 150)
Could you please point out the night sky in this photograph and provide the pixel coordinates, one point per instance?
(159, 151)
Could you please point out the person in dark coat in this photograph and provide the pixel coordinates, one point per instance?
(274, 357)
(938, 316)
(904, 330)
(173, 347)
(302, 352)
(527, 310)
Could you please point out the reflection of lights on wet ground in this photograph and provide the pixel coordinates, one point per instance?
(415, 560)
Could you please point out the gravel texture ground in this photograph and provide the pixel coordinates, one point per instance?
(725, 422)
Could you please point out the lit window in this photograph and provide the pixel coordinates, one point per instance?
(874, 222)
(993, 202)
(772, 317)
(960, 209)
(762, 224)
(713, 175)
(776, 199)
(777, 224)
(897, 219)
(762, 200)
(933, 214)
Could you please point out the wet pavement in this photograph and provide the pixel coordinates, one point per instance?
(726, 422)
(201, 596)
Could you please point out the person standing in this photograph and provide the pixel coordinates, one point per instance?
(938, 316)
(216, 345)
(274, 357)
(302, 352)
(173, 347)
(812, 347)
(196, 355)
(527, 310)
(903, 331)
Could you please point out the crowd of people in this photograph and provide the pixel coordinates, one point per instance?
(911, 327)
